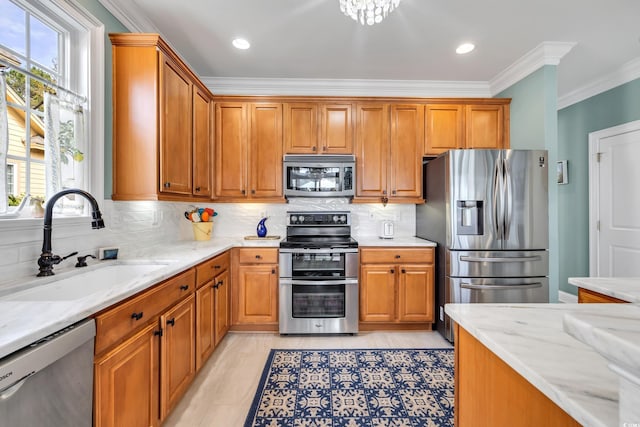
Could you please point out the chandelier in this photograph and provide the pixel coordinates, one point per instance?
(368, 11)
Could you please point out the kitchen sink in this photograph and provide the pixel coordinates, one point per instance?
(77, 285)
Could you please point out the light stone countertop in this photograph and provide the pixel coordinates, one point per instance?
(624, 288)
(26, 321)
(398, 241)
(532, 340)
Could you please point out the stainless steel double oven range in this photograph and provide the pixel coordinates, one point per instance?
(318, 274)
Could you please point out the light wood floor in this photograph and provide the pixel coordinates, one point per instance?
(223, 391)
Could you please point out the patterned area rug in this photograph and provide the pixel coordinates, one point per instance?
(373, 388)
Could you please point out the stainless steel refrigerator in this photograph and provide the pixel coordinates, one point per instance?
(487, 210)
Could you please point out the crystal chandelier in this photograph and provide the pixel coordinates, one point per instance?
(368, 11)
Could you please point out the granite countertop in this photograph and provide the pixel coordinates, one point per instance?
(25, 320)
(407, 241)
(624, 288)
(532, 340)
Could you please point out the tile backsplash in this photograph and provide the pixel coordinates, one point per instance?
(130, 225)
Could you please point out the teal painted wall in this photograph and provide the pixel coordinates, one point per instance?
(534, 125)
(111, 25)
(611, 108)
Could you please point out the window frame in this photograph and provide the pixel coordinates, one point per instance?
(86, 75)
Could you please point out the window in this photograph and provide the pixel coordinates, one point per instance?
(47, 45)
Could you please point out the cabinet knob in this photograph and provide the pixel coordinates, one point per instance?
(397, 256)
(324, 148)
(392, 271)
(258, 256)
(393, 192)
(198, 189)
(253, 191)
(184, 287)
(157, 333)
(171, 322)
(404, 271)
(384, 191)
(314, 148)
(217, 267)
(137, 316)
(273, 271)
(244, 192)
(166, 185)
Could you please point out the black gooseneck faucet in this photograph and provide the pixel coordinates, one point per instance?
(47, 260)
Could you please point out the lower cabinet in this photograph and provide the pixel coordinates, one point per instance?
(255, 284)
(396, 286)
(587, 296)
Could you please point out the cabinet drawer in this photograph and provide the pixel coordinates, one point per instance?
(395, 255)
(209, 269)
(115, 324)
(258, 256)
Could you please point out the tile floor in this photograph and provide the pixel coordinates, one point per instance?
(223, 391)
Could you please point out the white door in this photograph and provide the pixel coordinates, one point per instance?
(614, 182)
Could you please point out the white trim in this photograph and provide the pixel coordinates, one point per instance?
(346, 87)
(628, 72)
(130, 16)
(546, 53)
(567, 298)
(594, 179)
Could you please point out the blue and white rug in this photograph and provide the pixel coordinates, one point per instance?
(373, 388)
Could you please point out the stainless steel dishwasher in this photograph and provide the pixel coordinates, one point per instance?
(50, 382)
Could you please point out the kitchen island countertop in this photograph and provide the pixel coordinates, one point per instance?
(531, 339)
(624, 288)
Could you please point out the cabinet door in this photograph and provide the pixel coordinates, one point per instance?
(416, 300)
(444, 131)
(231, 150)
(177, 358)
(407, 141)
(301, 128)
(126, 382)
(257, 294)
(265, 150)
(484, 126)
(202, 142)
(205, 323)
(377, 293)
(175, 129)
(372, 149)
(222, 304)
(336, 129)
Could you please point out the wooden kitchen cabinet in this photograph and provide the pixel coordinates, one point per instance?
(212, 306)
(396, 287)
(336, 128)
(127, 391)
(301, 127)
(202, 142)
(318, 128)
(587, 296)
(255, 288)
(248, 146)
(389, 141)
(177, 353)
(145, 354)
(158, 115)
(483, 124)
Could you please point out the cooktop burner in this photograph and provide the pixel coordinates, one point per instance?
(318, 230)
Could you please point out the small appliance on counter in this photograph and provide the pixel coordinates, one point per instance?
(386, 229)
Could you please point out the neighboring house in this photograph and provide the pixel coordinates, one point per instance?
(17, 149)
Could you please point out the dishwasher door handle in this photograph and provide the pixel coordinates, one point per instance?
(9, 391)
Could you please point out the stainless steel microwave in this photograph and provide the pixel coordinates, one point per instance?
(313, 175)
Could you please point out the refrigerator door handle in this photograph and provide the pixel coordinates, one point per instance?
(515, 286)
(508, 200)
(500, 259)
(496, 215)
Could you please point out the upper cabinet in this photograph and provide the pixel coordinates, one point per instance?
(484, 124)
(318, 128)
(161, 123)
(248, 147)
(389, 144)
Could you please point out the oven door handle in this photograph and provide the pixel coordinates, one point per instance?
(318, 282)
(318, 251)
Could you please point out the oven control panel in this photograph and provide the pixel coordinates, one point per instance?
(319, 218)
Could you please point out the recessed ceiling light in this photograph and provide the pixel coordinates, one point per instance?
(241, 43)
(465, 48)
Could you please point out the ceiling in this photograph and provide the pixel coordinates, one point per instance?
(312, 39)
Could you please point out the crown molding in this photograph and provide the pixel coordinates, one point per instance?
(130, 16)
(546, 53)
(628, 72)
(346, 87)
